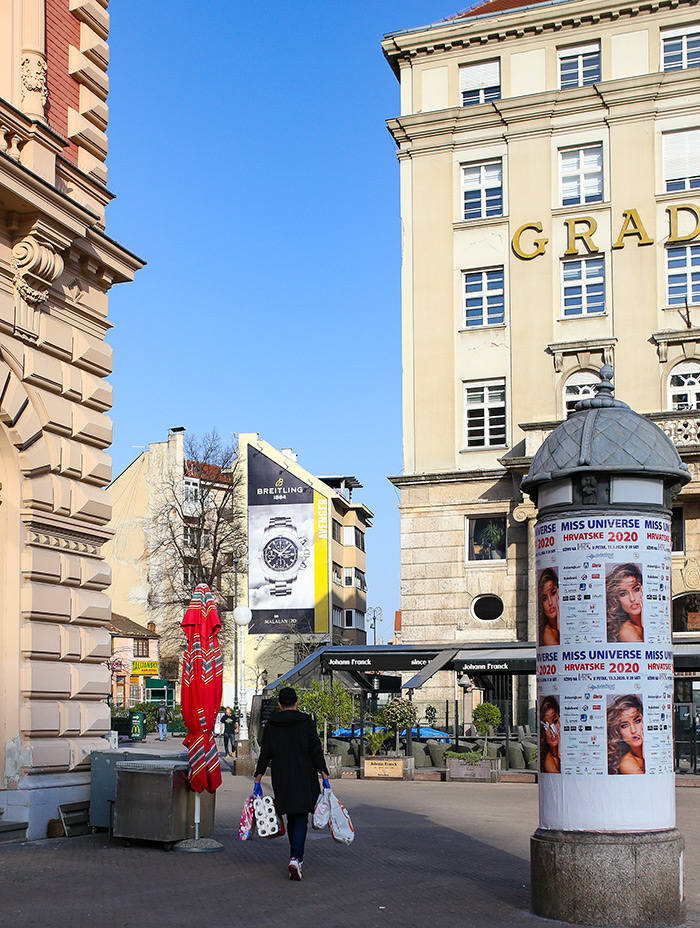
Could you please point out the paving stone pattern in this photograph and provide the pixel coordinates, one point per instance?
(426, 855)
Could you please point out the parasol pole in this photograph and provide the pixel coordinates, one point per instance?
(197, 814)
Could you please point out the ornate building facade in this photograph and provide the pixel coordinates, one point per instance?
(550, 202)
(56, 268)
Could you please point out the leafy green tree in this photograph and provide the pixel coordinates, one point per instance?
(400, 713)
(485, 717)
(328, 703)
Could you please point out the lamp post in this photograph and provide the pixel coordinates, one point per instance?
(239, 552)
(374, 613)
(242, 616)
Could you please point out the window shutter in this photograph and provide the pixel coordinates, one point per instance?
(479, 75)
(681, 154)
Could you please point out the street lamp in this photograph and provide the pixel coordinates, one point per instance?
(242, 616)
(239, 552)
(373, 614)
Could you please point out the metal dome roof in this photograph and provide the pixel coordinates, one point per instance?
(604, 434)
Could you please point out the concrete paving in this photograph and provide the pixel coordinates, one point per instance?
(426, 854)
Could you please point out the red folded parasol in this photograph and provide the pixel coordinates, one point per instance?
(202, 684)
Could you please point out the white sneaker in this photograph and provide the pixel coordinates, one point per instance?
(294, 869)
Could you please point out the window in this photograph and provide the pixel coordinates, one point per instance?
(686, 613)
(189, 577)
(581, 173)
(349, 580)
(578, 386)
(134, 693)
(360, 581)
(337, 616)
(191, 490)
(683, 275)
(487, 608)
(684, 386)
(359, 619)
(337, 574)
(485, 414)
(191, 536)
(140, 647)
(677, 530)
(583, 286)
(337, 531)
(480, 82)
(482, 188)
(486, 538)
(348, 618)
(681, 156)
(483, 298)
(579, 66)
(359, 539)
(680, 48)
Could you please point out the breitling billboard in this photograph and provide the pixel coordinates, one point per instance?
(288, 571)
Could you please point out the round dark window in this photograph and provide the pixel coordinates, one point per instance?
(487, 608)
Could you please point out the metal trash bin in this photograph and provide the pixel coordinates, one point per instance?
(103, 778)
(154, 802)
(137, 726)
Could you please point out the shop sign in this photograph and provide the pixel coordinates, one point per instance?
(144, 668)
(384, 768)
(684, 226)
(368, 662)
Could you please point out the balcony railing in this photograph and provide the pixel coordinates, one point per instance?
(683, 428)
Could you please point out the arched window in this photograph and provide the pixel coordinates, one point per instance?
(686, 613)
(578, 386)
(684, 386)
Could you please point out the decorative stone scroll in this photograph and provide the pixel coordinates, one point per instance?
(36, 265)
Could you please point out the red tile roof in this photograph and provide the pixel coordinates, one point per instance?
(493, 6)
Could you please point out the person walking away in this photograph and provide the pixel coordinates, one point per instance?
(162, 719)
(292, 748)
(229, 727)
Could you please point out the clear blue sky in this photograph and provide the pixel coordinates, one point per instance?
(255, 174)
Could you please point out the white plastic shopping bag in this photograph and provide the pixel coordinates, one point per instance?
(322, 811)
(341, 825)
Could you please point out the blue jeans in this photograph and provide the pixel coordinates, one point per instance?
(229, 742)
(162, 730)
(297, 825)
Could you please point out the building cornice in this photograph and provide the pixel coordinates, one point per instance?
(453, 476)
(402, 48)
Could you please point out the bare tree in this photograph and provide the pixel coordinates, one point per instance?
(197, 520)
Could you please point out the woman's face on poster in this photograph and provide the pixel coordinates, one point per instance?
(550, 724)
(631, 596)
(632, 728)
(550, 601)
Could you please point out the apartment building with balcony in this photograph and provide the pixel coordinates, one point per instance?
(549, 161)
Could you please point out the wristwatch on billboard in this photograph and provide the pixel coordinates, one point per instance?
(282, 554)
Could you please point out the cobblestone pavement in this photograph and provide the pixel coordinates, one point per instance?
(426, 854)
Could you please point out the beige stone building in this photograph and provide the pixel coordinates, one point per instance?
(141, 568)
(56, 267)
(549, 159)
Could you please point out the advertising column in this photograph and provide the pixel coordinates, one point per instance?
(605, 672)
(288, 572)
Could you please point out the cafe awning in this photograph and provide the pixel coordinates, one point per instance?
(506, 659)
(152, 684)
(439, 662)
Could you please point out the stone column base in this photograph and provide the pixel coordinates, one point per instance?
(244, 759)
(600, 878)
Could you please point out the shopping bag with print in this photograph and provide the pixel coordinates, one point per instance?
(322, 810)
(341, 825)
(246, 829)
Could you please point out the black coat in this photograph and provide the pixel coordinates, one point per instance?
(290, 744)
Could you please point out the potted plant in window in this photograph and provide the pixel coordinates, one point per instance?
(492, 537)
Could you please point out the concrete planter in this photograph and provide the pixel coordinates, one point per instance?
(387, 768)
(334, 765)
(485, 771)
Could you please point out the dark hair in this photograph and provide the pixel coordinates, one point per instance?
(616, 746)
(549, 702)
(616, 615)
(548, 574)
(287, 696)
